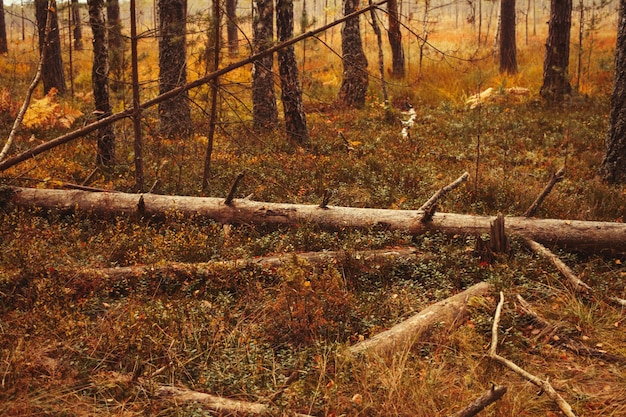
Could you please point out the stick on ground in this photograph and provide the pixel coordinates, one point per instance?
(560, 174)
(494, 394)
(429, 207)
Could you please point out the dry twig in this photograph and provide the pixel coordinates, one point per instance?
(429, 207)
(490, 396)
(560, 174)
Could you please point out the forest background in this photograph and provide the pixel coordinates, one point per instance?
(78, 338)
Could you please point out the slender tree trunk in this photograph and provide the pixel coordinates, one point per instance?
(264, 110)
(100, 81)
(78, 29)
(613, 168)
(4, 46)
(355, 77)
(395, 40)
(508, 53)
(138, 140)
(232, 29)
(217, 17)
(555, 68)
(291, 92)
(52, 74)
(116, 43)
(174, 114)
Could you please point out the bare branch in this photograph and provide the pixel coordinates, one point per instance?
(429, 207)
(560, 174)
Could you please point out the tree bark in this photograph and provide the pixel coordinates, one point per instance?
(100, 82)
(450, 312)
(77, 24)
(395, 40)
(555, 68)
(508, 47)
(174, 114)
(52, 73)
(264, 110)
(355, 77)
(232, 29)
(116, 43)
(4, 46)
(291, 92)
(588, 236)
(613, 167)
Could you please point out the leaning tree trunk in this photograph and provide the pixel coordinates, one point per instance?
(295, 119)
(573, 234)
(116, 44)
(76, 22)
(175, 113)
(232, 29)
(555, 67)
(100, 81)
(613, 168)
(508, 53)
(264, 110)
(4, 46)
(395, 40)
(355, 77)
(52, 70)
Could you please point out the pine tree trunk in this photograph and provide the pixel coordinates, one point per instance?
(116, 43)
(264, 110)
(295, 118)
(232, 31)
(555, 68)
(78, 31)
(175, 113)
(508, 52)
(613, 168)
(4, 46)
(395, 40)
(52, 72)
(100, 81)
(355, 78)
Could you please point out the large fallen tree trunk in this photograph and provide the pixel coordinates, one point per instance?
(572, 234)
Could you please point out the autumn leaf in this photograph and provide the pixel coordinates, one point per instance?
(48, 112)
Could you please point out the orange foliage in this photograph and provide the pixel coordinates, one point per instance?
(48, 112)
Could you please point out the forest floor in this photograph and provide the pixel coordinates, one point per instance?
(104, 346)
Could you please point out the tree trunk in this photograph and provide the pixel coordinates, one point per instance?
(232, 29)
(555, 68)
(613, 168)
(4, 46)
(174, 114)
(264, 110)
(355, 77)
(508, 47)
(100, 82)
(291, 92)
(395, 40)
(76, 21)
(52, 72)
(116, 44)
(573, 234)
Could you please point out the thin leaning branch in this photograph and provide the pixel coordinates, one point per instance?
(557, 177)
(490, 396)
(31, 88)
(429, 207)
(543, 384)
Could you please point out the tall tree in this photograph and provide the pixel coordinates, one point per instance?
(4, 46)
(264, 110)
(232, 29)
(355, 77)
(100, 82)
(175, 113)
(52, 70)
(395, 40)
(613, 167)
(291, 91)
(78, 30)
(508, 47)
(116, 43)
(555, 68)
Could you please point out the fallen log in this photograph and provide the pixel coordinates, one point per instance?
(402, 336)
(591, 236)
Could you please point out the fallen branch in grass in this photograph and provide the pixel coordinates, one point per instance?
(449, 312)
(558, 336)
(490, 396)
(576, 283)
(560, 174)
(572, 234)
(543, 384)
(217, 404)
(429, 207)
